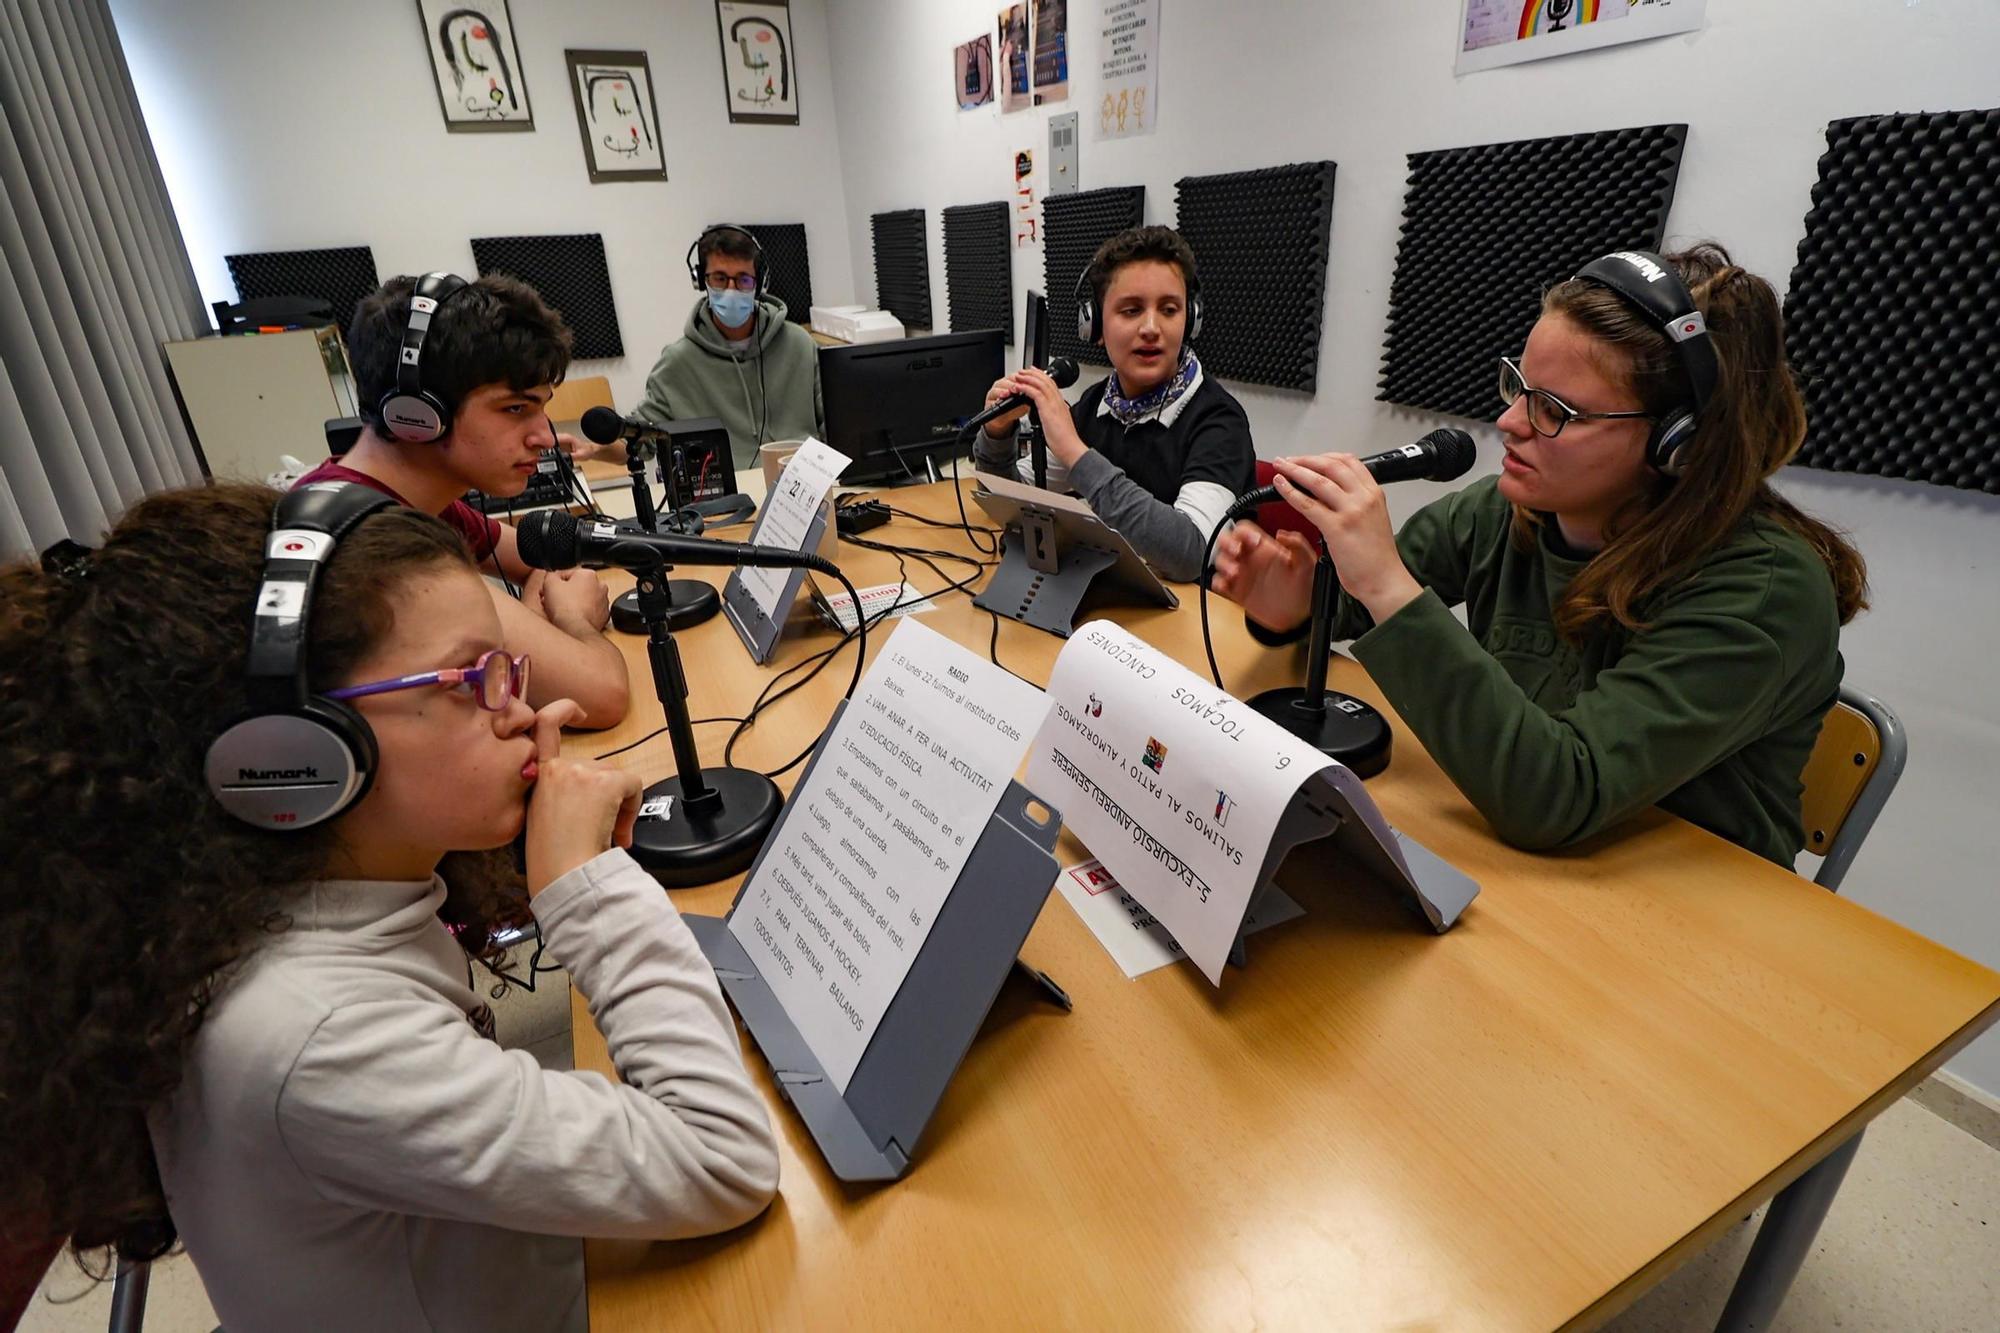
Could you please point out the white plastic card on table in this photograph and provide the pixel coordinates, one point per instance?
(1133, 936)
(788, 513)
(1174, 785)
(874, 839)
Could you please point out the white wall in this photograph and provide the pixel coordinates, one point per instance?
(1265, 82)
(285, 125)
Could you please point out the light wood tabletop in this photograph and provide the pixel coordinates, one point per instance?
(1619, 1051)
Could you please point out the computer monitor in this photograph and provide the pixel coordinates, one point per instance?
(890, 406)
(1035, 332)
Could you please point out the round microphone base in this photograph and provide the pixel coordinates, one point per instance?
(1345, 728)
(693, 602)
(701, 846)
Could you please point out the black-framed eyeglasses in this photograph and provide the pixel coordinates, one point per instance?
(1548, 414)
(722, 282)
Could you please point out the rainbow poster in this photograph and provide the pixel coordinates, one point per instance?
(1508, 32)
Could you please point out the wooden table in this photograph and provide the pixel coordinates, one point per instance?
(1524, 1123)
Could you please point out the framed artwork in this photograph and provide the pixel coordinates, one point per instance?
(760, 78)
(617, 115)
(476, 64)
(972, 72)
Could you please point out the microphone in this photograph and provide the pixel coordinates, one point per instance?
(1442, 455)
(1060, 369)
(601, 425)
(553, 539)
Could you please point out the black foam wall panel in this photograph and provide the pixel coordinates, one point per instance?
(903, 266)
(979, 267)
(1260, 241)
(1893, 317)
(341, 276)
(1073, 226)
(571, 275)
(789, 265)
(1486, 230)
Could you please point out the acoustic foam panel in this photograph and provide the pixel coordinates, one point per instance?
(1073, 226)
(903, 266)
(571, 275)
(1486, 230)
(1260, 241)
(1893, 317)
(790, 267)
(979, 267)
(341, 276)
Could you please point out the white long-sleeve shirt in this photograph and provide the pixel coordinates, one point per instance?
(347, 1151)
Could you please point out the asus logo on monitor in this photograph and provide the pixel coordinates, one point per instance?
(925, 363)
(274, 774)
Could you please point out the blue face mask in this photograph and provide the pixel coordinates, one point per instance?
(732, 308)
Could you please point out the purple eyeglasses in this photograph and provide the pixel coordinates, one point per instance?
(497, 677)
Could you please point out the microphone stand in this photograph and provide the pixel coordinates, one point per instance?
(717, 818)
(691, 601)
(1038, 449)
(1335, 724)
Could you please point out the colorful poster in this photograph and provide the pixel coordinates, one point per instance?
(1507, 32)
(1014, 43)
(616, 111)
(972, 72)
(1128, 68)
(1051, 55)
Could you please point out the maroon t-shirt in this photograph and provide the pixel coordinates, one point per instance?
(481, 533)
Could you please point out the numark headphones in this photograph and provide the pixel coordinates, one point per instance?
(694, 255)
(1649, 284)
(409, 411)
(295, 760)
(1090, 319)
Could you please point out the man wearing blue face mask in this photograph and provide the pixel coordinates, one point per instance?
(739, 359)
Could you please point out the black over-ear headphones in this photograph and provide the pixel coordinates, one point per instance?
(1090, 319)
(1650, 284)
(296, 759)
(409, 411)
(757, 256)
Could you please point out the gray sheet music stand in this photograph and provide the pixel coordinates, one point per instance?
(758, 631)
(1436, 890)
(1053, 551)
(872, 1132)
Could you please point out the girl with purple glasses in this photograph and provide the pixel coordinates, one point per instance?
(270, 1044)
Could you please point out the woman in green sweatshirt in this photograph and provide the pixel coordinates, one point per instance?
(1647, 621)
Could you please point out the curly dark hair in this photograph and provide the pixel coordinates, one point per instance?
(498, 329)
(128, 892)
(1137, 245)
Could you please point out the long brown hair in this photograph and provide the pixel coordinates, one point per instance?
(1752, 425)
(128, 892)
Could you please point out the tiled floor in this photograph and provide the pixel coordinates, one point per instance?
(1912, 1244)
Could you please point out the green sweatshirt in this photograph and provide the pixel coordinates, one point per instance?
(774, 381)
(1710, 712)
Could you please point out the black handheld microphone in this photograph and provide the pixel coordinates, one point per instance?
(1442, 455)
(553, 539)
(604, 426)
(1060, 369)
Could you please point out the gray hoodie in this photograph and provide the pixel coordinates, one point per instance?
(772, 382)
(346, 1150)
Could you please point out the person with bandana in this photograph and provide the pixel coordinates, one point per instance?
(740, 360)
(1157, 448)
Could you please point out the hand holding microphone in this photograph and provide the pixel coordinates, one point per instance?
(1012, 396)
(1341, 495)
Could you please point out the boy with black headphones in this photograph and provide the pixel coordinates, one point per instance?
(1158, 449)
(454, 380)
(740, 360)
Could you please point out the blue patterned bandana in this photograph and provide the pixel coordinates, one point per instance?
(1131, 411)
